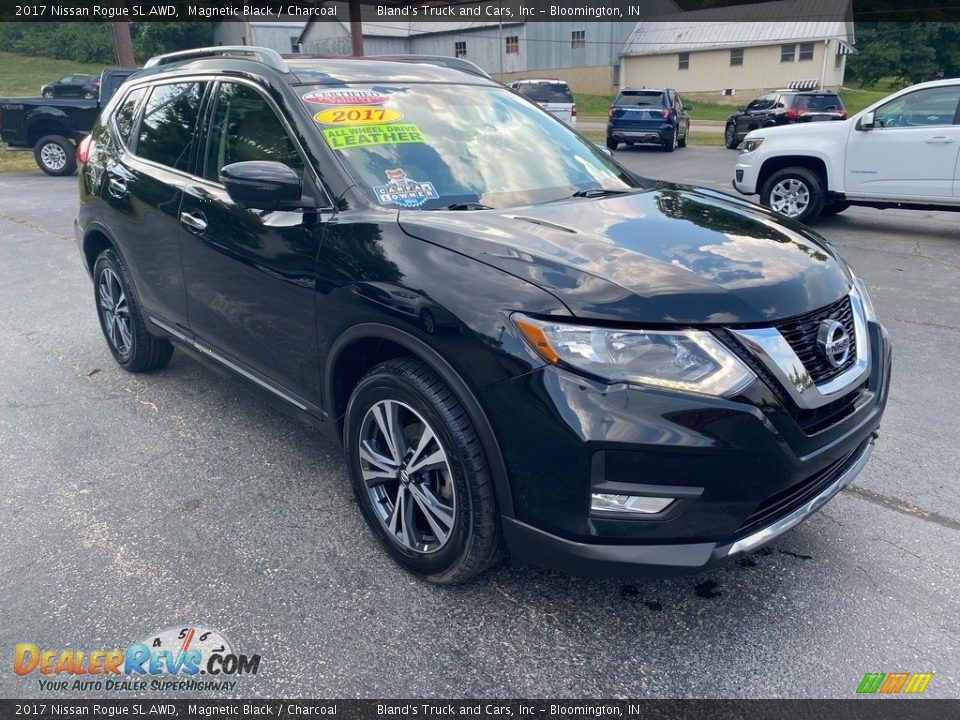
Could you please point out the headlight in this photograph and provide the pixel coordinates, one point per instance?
(866, 301)
(751, 144)
(689, 360)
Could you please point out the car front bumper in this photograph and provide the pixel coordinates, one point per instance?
(742, 469)
(745, 174)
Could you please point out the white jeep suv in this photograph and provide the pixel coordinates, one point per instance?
(900, 152)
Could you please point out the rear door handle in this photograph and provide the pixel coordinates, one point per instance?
(195, 222)
(117, 187)
(940, 140)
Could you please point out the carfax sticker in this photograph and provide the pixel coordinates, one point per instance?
(357, 115)
(342, 138)
(404, 191)
(345, 96)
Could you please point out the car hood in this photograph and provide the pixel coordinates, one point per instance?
(795, 130)
(670, 255)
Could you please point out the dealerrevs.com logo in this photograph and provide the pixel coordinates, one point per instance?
(187, 658)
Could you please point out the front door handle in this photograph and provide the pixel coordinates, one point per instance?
(117, 187)
(195, 222)
(940, 140)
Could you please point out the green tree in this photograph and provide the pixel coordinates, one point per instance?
(909, 51)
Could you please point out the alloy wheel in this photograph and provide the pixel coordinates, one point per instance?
(790, 197)
(53, 156)
(408, 476)
(115, 311)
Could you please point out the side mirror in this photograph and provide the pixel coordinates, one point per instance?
(866, 122)
(604, 149)
(262, 185)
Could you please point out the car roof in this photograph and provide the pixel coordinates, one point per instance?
(539, 80)
(640, 90)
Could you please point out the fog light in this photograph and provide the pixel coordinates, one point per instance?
(630, 504)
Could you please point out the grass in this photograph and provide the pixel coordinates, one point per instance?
(18, 161)
(22, 75)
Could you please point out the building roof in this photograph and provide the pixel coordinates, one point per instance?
(766, 23)
(406, 28)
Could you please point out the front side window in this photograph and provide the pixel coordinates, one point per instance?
(765, 102)
(427, 146)
(578, 39)
(245, 128)
(923, 108)
(126, 114)
(787, 53)
(806, 52)
(169, 122)
(460, 48)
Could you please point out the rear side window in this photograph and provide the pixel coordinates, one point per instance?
(546, 92)
(244, 128)
(640, 99)
(817, 102)
(125, 116)
(169, 121)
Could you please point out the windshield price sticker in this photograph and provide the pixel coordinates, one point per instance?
(344, 96)
(343, 138)
(357, 115)
(404, 191)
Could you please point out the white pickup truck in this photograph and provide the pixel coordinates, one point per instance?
(900, 152)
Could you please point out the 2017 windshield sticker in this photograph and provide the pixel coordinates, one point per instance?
(342, 138)
(404, 191)
(344, 96)
(357, 115)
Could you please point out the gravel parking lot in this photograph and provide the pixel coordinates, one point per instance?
(133, 503)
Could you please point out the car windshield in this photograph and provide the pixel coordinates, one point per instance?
(431, 146)
(817, 102)
(639, 99)
(546, 92)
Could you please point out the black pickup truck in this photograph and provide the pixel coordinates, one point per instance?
(52, 126)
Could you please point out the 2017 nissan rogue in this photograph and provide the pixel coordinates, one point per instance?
(524, 347)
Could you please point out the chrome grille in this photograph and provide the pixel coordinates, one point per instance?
(801, 333)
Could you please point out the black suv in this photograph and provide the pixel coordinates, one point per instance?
(524, 347)
(782, 108)
(648, 115)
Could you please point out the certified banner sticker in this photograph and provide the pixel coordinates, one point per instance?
(343, 138)
(404, 191)
(357, 115)
(345, 96)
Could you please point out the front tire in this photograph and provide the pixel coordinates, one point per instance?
(55, 155)
(794, 192)
(730, 137)
(121, 320)
(420, 474)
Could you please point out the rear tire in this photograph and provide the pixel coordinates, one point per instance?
(121, 320)
(794, 192)
(404, 399)
(55, 155)
(612, 144)
(670, 144)
(730, 138)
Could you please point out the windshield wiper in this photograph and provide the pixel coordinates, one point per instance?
(466, 206)
(598, 192)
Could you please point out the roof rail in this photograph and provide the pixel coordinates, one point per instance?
(442, 60)
(268, 57)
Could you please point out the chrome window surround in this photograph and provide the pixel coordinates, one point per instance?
(771, 349)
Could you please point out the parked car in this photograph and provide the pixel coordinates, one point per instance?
(648, 115)
(51, 129)
(78, 85)
(620, 376)
(901, 152)
(782, 108)
(554, 96)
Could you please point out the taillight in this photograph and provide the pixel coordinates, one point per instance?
(666, 113)
(610, 112)
(794, 114)
(843, 114)
(83, 150)
(573, 111)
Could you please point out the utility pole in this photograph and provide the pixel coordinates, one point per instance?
(122, 44)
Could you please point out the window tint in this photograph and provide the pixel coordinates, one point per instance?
(126, 114)
(762, 103)
(169, 121)
(923, 108)
(546, 92)
(640, 98)
(244, 128)
(817, 102)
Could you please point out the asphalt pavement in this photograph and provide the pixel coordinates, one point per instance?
(133, 503)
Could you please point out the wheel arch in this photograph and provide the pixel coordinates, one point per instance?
(814, 164)
(95, 240)
(46, 126)
(363, 346)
